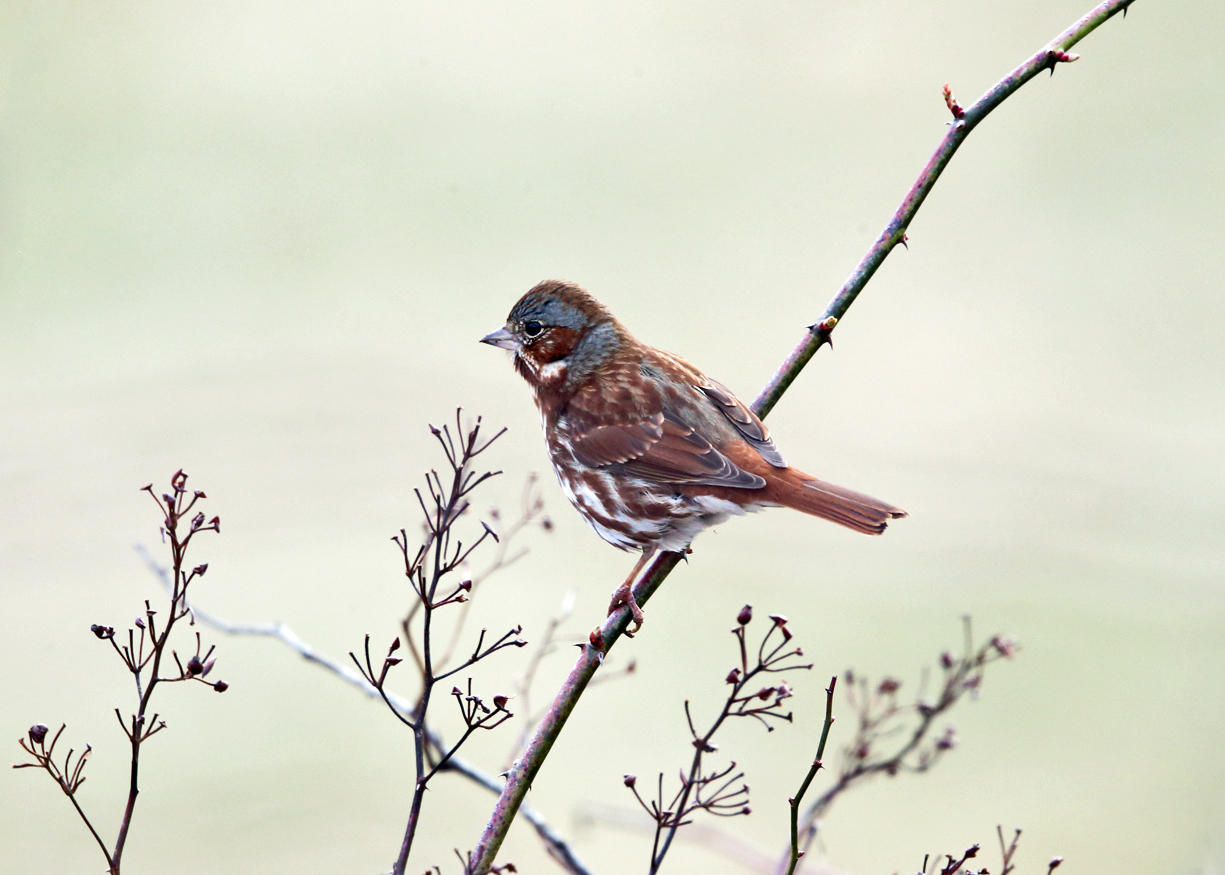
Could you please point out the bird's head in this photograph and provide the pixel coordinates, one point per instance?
(558, 334)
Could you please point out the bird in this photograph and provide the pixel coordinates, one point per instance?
(647, 448)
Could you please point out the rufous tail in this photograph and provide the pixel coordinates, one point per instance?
(849, 508)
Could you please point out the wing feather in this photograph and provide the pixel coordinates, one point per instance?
(661, 450)
(745, 421)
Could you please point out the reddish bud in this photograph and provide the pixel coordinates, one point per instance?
(889, 686)
(948, 740)
(1004, 646)
(499, 702)
(546, 524)
(215, 522)
(951, 102)
(395, 645)
(139, 624)
(1055, 863)
(200, 569)
(221, 686)
(745, 615)
(466, 586)
(103, 632)
(435, 431)
(946, 660)
(199, 494)
(194, 666)
(392, 661)
(456, 691)
(38, 733)
(197, 520)
(179, 480)
(630, 780)
(733, 676)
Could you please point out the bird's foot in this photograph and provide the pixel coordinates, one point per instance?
(623, 596)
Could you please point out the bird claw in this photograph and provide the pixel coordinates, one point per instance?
(623, 596)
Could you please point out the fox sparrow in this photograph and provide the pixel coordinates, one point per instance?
(649, 449)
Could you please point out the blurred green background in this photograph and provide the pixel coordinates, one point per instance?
(259, 241)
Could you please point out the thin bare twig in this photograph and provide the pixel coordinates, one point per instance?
(817, 762)
(716, 792)
(557, 847)
(147, 651)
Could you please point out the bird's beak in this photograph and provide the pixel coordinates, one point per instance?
(501, 338)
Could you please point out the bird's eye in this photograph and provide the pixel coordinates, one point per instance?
(532, 328)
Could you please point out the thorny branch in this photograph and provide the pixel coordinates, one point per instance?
(817, 763)
(525, 769)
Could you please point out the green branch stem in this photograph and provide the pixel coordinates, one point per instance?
(817, 763)
(524, 770)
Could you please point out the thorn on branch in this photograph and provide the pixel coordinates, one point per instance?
(1059, 56)
(823, 331)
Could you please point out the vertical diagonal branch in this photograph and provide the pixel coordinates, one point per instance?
(525, 769)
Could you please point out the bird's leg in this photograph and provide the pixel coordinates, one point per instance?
(624, 595)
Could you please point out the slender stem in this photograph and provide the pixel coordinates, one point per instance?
(414, 813)
(110, 861)
(702, 743)
(138, 733)
(525, 769)
(812, 773)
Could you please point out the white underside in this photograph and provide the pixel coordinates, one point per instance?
(683, 519)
